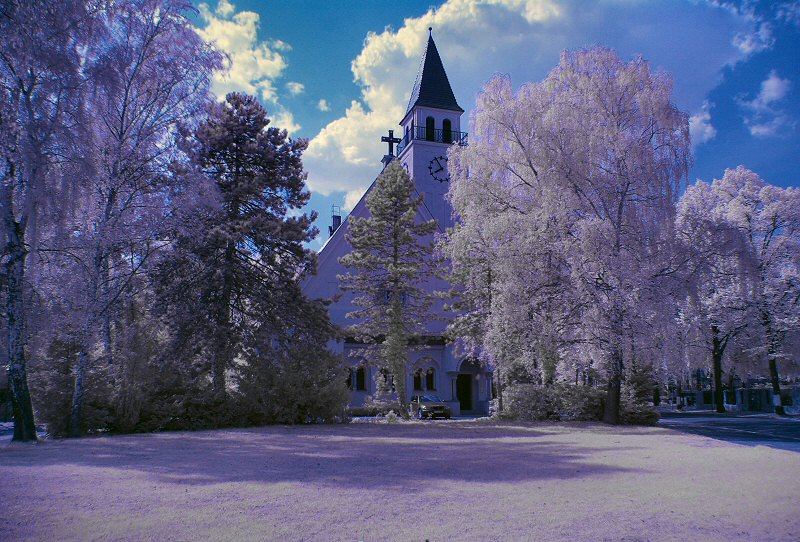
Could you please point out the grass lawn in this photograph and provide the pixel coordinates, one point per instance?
(457, 480)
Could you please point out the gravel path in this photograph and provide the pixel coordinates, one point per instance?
(461, 480)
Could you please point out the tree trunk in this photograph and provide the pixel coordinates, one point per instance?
(75, 413)
(75, 426)
(218, 370)
(549, 364)
(716, 355)
(613, 396)
(776, 385)
(396, 348)
(24, 426)
(222, 348)
(220, 359)
(499, 389)
(772, 356)
(614, 389)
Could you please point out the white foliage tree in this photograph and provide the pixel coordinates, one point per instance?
(745, 234)
(719, 300)
(40, 132)
(145, 79)
(588, 165)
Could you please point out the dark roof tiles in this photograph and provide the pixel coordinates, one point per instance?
(432, 88)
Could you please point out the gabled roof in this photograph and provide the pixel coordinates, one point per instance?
(432, 88)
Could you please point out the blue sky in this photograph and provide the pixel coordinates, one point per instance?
(339, 73)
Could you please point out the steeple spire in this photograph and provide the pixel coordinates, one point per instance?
(432, 88)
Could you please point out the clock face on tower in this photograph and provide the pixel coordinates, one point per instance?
(438, 169)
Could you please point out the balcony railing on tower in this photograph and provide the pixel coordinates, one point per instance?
(440, 136)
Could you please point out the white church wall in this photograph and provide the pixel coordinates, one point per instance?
(423, 159)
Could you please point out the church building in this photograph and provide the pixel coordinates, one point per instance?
(432, 124)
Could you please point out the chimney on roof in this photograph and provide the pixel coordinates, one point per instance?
(336, 219)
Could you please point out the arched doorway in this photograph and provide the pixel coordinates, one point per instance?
(467, 385)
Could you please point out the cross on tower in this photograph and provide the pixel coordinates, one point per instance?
(391, 140)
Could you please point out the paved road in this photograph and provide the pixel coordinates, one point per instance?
(752, 430)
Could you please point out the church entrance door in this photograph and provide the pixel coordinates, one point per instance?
(464, 391)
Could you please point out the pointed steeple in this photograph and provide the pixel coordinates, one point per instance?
(432, 89)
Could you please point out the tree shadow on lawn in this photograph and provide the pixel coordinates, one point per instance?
(357, 455)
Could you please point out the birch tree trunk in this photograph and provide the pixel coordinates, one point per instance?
(24, 426)
(773, 342)
(614, 387)
(79, 391)
(718, 349)
(96, 319)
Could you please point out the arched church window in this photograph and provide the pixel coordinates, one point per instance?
(361, 379)
(430, 379)
(350, 378)
(429, 128)
(418, 380)
(447, 131)
(388, 380)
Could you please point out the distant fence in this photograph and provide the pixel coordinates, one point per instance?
(748, 399)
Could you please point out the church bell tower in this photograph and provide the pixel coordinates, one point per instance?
(432, 124)
(430, 127)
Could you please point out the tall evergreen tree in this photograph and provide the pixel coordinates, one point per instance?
(238, 259)
(289, 374)
(391, 260)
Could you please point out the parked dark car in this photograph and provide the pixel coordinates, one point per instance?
(430, 406)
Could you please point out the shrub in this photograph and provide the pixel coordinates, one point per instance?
(374, 407)
(580, 403)
(637, 413)
(529, 402)
(559, 402)
(52, 384)
(303, 383)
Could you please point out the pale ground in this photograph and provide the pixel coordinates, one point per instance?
(458, 480)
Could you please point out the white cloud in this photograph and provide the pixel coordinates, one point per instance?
(224, 8)
(753, 42)
(771, 127)
(323, 105)
(763, 117)
(700, 127)
(477, 38)
(280, 45)
(284, 120)
(789, 12)
(773, 88)
(295, 88)
(352, 197)
(253, 66)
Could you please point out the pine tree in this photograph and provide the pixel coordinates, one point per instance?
(234, 268)
(291, 376)
(391, 259)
